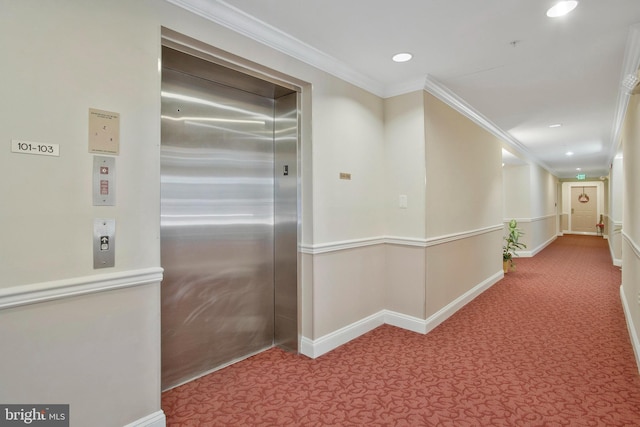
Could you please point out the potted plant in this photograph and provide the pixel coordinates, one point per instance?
(511, 245)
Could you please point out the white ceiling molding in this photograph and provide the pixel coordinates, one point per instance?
(236, 20)
(406, 87)
(443, 93)
(630, 66)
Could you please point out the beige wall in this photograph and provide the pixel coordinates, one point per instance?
(630, 289)
(530, 195)
(613, 223)
(100, 353)
(405, 166)
(72, 56)
(348, 136)
(469, 195)
(456, 268)
(62, 64)
(460, 201)
(349, 286)
(405, 280)
(517, 191)
(451, 210)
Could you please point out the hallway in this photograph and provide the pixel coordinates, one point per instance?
(547, 345)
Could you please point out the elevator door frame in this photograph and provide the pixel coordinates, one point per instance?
(197, 49)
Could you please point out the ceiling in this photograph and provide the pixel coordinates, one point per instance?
(503, 63)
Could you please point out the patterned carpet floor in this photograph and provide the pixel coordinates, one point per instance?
(545, 346)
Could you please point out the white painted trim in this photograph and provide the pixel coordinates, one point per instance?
(535, 219)
(242, 23)
(631, 328)
(331, 341)
(341, 245)
(455, 305)
(404, 321)
(53, 290)
(447, 96)
(630, 65)
(406, 241)
(394, 240)
(634, 245)
(230, 17)
(433, 241)
(534, 252)
(157, 419)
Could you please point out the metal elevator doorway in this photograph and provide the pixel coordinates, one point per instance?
(229, 216)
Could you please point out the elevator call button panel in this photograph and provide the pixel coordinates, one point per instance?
(104, 178)
(104, 239)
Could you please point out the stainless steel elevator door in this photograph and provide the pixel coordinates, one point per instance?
(217, 225)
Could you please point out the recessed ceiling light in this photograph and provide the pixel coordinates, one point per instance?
(561, 8)
(402, 57)
(578, 169)
(557, 125)
(569, 153)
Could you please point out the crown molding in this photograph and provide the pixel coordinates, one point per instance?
(230, 17)
(440, 91)
(223, 14)
(630, 66)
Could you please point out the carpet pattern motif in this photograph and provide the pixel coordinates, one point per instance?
(545, 346)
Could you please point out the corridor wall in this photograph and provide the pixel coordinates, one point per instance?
(613, 219)
(530, 197)
(630, 288)
(91, 337)
(446, 171)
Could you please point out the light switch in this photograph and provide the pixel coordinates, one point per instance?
(104, 239)
(402, 201)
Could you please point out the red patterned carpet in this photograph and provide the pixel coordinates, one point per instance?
(546, 346)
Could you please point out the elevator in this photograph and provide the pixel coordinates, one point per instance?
(229, 215)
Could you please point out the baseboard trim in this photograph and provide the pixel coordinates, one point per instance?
(157, 419)
(326, 343)
(333, 340)
(455, 305)
(53, 290)
(635, 340)
(529, 254)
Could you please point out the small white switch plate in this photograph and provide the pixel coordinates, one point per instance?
(402, 201)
